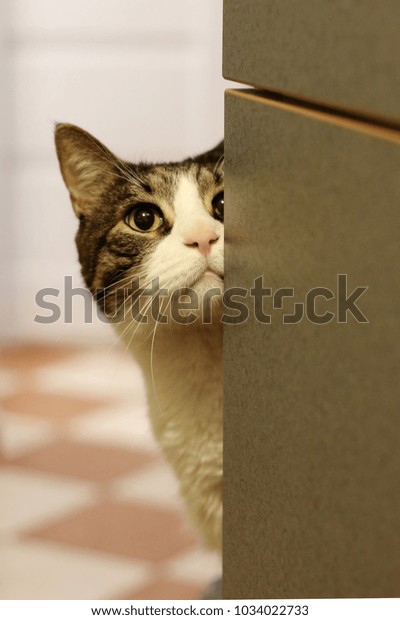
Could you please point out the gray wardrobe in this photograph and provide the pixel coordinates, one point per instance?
(312, 405)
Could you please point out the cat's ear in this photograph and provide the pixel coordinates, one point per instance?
(87, 166)
(213, 154)
(213, 158)
(218, 151)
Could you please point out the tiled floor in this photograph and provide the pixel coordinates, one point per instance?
(88, 509)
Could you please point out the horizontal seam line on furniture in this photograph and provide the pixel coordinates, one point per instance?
(360, 122)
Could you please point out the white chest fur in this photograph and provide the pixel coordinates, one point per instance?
(183, 374)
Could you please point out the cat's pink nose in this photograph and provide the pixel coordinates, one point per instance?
(202, 240)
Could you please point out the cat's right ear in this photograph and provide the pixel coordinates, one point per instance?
(87, 166)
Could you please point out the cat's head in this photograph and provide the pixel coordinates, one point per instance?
(145, 223)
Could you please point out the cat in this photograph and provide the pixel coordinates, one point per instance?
(143, 223)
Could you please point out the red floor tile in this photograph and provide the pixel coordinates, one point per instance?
(30, 356)
(123, 528)
(150, 535)
(49, 406)
(84, 461)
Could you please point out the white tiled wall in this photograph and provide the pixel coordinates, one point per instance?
(144, 76)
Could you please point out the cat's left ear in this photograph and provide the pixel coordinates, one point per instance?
(87, 166)
(215, 154)
(218, 151)
(213, 159)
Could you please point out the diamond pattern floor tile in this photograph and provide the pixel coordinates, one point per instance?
(124, 426)
(43, 571)
(24, 357)
(125, 529)
(9, 382)
(84, 461)
(155, 485)
(98, 373)
(88, 507)
(164, 589)
(31, 498)
(195, 564)
(49, 406)
(21, 434)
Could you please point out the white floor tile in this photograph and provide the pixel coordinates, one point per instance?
(197, 565)
(42, 570)
(8, 382)
(30, 499)
(154, 485)
(20, 434)
(99, 373)
(124, 425)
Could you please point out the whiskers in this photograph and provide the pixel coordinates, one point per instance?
(153, 380)
(131, 313)
(151, 320)
(219, 167)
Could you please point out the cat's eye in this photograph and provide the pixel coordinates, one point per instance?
(218, 206)
(144, 218)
